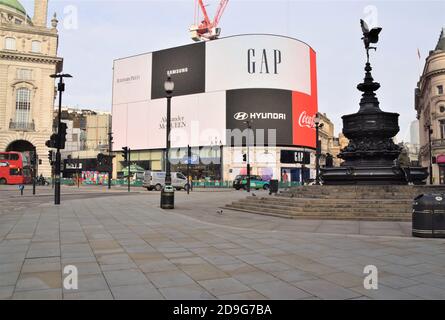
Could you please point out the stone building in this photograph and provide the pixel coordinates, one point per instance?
(28, 56)
(329, 143)
(87, 136)
(430, 107)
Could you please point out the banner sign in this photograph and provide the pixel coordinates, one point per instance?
(294, 156)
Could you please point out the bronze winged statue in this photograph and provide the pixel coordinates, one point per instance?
(369, 36)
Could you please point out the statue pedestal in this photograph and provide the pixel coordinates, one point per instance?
(371, 156)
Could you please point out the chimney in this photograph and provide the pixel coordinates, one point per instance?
(40, 13)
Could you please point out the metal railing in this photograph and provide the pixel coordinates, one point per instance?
(22, 126)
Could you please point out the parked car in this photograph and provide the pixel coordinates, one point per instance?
(155, 180)
(256, 182)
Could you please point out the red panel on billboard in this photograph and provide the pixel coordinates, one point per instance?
(304, 109)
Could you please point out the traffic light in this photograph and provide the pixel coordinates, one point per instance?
(100, 159)
(62, 135)
(125, 153)
(57, 140)
(245, 157)
(110, 141)
(52, 142)
(104, 162)
(33, 158)
(50, 157)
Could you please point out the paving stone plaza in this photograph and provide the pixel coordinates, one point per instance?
(126, 247)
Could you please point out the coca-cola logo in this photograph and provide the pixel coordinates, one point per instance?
(305, 120)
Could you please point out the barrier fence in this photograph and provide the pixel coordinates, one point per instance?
(138, 183)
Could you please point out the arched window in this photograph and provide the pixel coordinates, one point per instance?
(23, 107)
(10, 44)
(36, 46)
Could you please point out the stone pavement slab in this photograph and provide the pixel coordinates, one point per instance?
(193, 252)
(224, 286)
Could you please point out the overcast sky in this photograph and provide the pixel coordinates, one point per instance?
(95, 32)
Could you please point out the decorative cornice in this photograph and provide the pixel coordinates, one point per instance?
(425, 77)
(29, 30)
(29, 58)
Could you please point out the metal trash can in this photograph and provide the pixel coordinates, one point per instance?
(168, 197)
(273, 186)
(429, 216)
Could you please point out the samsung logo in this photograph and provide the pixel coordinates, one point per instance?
(240, 116)
(131, 78)
(177, 71)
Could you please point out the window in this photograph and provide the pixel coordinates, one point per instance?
(10, 44)
(22, 106)
(36, 46)
(9, 156)
(15, 172)
(442, 109)
(17, 21)
(442, 129)
(440, 89)
(24, 74)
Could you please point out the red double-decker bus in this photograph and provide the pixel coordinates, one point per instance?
(15, 168)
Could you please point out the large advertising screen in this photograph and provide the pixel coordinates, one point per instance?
(219, 85)
(269, 112)
(186, 65)
(132, 79)
(258, 61)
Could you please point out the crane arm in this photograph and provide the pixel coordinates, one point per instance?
(219, 12)
(204, 12)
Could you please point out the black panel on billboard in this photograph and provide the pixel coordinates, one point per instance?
(185, 65)
(295, 156)
(266, 109)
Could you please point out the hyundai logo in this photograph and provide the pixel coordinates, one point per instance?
(241, 116)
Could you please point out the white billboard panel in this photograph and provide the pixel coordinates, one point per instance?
(132, 79)
(197, 120)
(119, 121)
(258, 61)
(137, 129)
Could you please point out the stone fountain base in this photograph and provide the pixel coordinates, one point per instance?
(374, 175)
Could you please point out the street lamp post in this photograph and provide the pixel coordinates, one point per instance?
(249, 127)
(221, 155)
(167, 193)
(60, 89)
(110, 148)
(430, 132)
(318, 125)
(189, 160)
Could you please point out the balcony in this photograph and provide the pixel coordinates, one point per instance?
(438, 143)
(22, 126)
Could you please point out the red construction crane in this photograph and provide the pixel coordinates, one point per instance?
(207, 29)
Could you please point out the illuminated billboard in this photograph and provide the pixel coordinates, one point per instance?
(219, 85)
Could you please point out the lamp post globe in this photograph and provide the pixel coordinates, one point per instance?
(169, 86)
(317, 119)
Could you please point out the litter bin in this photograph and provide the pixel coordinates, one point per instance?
(273, 186)
(168, 197)
(429, 216)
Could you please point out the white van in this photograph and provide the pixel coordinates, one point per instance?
(156, 180)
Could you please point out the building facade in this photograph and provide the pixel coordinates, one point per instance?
(430, 107)
(87, 136)
(28, 56)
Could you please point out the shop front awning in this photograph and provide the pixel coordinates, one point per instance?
(441, 159)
